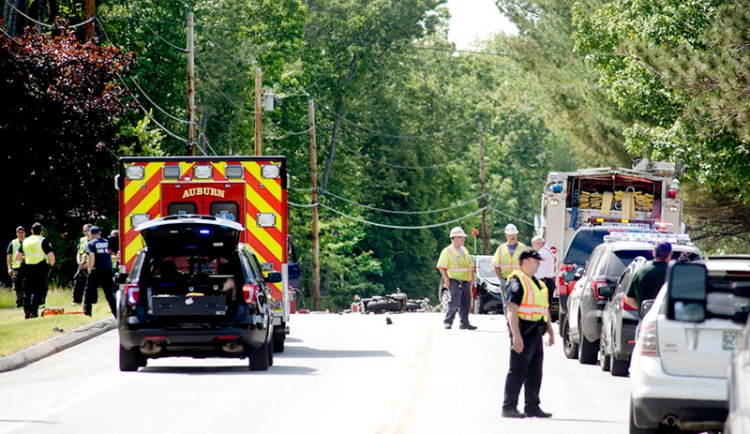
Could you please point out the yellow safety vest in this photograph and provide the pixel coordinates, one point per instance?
(534, 305)
(32, 250)
(459, 267)
(16, 245)
(507, 262)
(82, 242)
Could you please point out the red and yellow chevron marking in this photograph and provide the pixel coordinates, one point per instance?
(140, 196)
(266, 196)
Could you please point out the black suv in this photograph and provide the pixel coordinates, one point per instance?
(586, 303)
(195, 291)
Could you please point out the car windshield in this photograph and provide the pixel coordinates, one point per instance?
(622, 258)
(485, 268)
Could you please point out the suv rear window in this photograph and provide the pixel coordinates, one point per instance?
(583, 243)
(620, 259)
(722, 301)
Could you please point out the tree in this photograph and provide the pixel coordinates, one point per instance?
(59, 130)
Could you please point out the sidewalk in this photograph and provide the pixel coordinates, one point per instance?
(56, 344)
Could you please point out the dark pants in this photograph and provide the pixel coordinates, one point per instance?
(18, 275)
(79, 285)
(525, 370)
(549, 282)
(99, 277)
(460, 298)
(34, 288)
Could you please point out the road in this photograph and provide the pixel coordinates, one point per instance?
(339, 374)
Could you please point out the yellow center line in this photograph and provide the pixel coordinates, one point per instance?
(411, 401)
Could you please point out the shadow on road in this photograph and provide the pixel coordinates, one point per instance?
(227, 370)
(307, 352)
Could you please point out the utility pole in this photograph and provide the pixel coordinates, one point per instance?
(314, 183)
(90, 11)
(191, 83)
(258, 112)
(483, 178)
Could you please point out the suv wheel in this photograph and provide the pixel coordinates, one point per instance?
(604, 357)
(278, 342)
(619, 368)
(570, 348)
(259, 359)
(587, 351)
(128, 359)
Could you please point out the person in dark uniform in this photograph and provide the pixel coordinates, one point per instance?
(15, 270)
(528, 320)
(38, 257)
(100, 272)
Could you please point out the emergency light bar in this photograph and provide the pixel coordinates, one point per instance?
(203, 172)
(270, 171)
(235, 171)
(135, 172)
(645, 237)
(172, 172)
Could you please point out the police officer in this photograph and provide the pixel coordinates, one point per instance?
(455, 266)
(82, 259)
(100, 272)
(506, 256)
(37, 255)
(528, 320)
(15, 271)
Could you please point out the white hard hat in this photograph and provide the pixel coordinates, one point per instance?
(511, 229)
(458, 232)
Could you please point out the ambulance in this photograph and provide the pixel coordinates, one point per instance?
(249, 190)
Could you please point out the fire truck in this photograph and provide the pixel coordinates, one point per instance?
(249, 190)
(645, 196)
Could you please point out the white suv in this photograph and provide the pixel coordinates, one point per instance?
(678, 370)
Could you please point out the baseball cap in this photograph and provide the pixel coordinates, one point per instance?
(529, 253)
(662, 249)
(20, 228)
(95, 230)
(511, 229)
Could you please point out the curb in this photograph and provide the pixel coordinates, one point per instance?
(55, 345)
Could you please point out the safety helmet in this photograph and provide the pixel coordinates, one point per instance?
(511, 229)
(457, 232)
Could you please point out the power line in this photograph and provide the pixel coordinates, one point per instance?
(158, 36)
(49, 26)
(143, 92)
(434, 225)
(146, 112)
(388, 211)
(398, 166)
(10, 37)
(218, 88)
(510, 216)
(299, 205)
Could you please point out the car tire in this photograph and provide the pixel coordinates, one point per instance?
(259, 357)
(128, 359)
(587, 351)
(634, 429)
(380, 306)
(570, 348)
(278, 344)
(619, 368)
(270, 353)
(604, 357)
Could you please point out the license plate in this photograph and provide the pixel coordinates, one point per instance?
(729, 340)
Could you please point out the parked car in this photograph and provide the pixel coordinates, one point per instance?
(738, 420)
(489, 296)
(586, 303)
(619, 322)
(678, 371)
(195, 291)
(577, 254)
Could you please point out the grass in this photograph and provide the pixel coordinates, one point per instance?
(17, 333)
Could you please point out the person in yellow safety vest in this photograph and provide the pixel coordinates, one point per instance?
(82, 258)
(528, 320)
(456, 268)
(37, 256)
(506, 256)
(15, 271)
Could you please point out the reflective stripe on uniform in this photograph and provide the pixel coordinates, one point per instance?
(534, 305)
(32, 250)
(455, 271)
(16, 245)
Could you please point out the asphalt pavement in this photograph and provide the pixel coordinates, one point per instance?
(55, 345)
